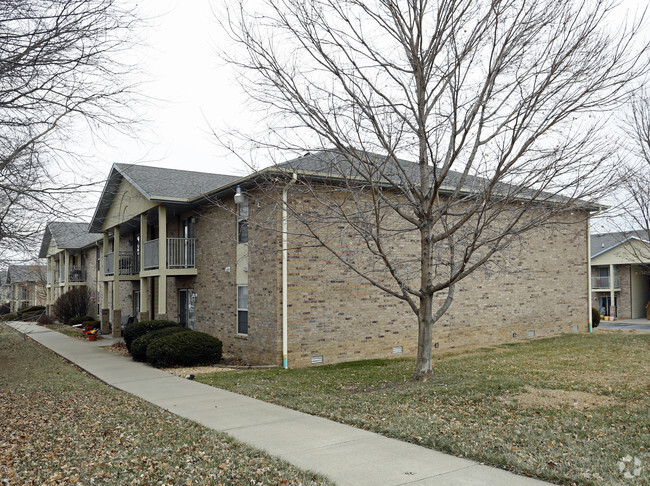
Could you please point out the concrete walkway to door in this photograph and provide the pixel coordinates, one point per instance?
(642, 325)
(347, 455)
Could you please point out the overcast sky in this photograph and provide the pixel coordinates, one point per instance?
(189, 86)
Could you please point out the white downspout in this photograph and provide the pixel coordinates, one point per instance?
(285, 251)
(589, 266)
(589, 296)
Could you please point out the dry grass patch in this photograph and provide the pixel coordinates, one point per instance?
(59, 426)
(563, 409)
(549, 398)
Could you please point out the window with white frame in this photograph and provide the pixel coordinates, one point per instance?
(242, 221)
(242, 309)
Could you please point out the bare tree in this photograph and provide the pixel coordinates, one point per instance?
(59, 80)
(634, 198)
(501, 105)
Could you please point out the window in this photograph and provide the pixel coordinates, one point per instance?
(242, 309)
(242, 222)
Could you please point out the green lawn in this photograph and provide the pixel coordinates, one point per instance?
(564, 409)
(59, 425)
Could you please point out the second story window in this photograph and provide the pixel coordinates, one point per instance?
(242, 221)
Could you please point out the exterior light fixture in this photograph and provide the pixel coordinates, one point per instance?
(239, 197)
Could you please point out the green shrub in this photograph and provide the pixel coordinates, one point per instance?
(31, 310)
(140, 345)
(136, 329)
(5, 308)
(80, 320)
(184, 349)
(9, 317)
(595, 317)
(91, 323)
(31, 315)
(46, 319)
(74, 303)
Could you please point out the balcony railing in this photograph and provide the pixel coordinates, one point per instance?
(150, 254)
(49, 277)
(77, 274)
(129, 263)
(109, 264)
(603, 282)
(181, 253)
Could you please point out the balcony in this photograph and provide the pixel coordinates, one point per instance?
(77, 274)
(109, 264)
(128, 262)
(602, 283)
(181, 253)
(22, 295)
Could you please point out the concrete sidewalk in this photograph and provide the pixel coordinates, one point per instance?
(347, 455)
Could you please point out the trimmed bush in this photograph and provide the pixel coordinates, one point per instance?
(74, 303)
(595, 317)
(140, 345)
(46, 319)
(31, 315)
(136, 329)
(91, 323)
(9, 317)
(5, 308)
(28, 313)
(80, 320)
(184, 349)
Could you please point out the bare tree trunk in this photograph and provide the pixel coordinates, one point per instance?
(423, 363)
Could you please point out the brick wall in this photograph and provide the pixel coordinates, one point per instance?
(539, 285)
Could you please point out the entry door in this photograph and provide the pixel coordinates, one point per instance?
(186, 298)
(605, 304)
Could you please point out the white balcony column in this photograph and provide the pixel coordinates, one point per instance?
(162, 263)
(66, 270)
(117, 309)
(144, 287)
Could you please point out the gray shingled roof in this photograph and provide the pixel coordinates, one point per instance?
(603, 242)
(331, 163)
(26, 273)
(67, 236)
(171, 184)
(185, 187)
(158, 184)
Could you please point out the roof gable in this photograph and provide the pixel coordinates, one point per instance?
(66, 235)
(26, 273)
(154, 184)
(619, 248)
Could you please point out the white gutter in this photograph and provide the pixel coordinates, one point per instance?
(285, 251)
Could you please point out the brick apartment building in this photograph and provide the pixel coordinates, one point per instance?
(174, 244)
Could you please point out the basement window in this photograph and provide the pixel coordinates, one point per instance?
(398, 349)
(317, 360)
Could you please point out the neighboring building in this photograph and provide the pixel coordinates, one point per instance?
(5, 288)
(620, 274)
(26, 285)
(175, 245)
(72, 255)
